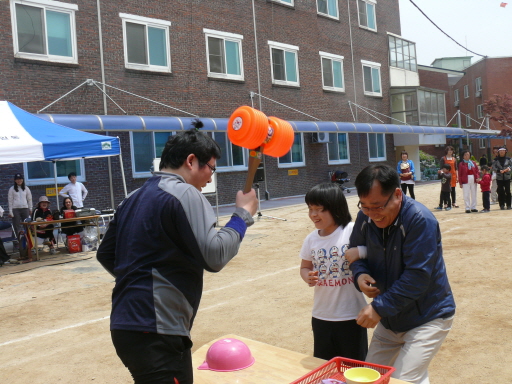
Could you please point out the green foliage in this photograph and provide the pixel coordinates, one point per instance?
(426, 157)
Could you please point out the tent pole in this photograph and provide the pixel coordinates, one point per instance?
(56, 188)
(122, 168)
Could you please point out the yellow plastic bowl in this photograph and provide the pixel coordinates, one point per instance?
(361, 376)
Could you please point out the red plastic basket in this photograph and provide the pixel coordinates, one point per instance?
(334, 369)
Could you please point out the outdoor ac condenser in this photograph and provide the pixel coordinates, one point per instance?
(320, 137)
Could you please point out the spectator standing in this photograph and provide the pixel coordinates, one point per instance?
(503, 165)
(405, 274)
(76, 190)
(494, 185)
(159, 270)
(20, 202)
(405, 169)
(446, 186)
(485, 187)
(468, 177)
(449, 158)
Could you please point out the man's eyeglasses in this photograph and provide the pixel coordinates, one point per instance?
(213, 169)
(376, 209)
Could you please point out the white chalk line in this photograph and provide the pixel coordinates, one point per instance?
(52, 331)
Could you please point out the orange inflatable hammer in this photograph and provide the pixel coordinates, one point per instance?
(252, 129)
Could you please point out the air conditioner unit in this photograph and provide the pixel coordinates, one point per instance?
(456, 103)
(478, 94)
(320, 137)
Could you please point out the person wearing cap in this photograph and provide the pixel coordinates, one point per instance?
(20, 202)
(502, 165)
(45, 231)
(75, 190)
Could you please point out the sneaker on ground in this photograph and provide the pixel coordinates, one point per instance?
(474, 210)
(53, 251)
(468, 211)
(440, 208)
(484, 210)
(448, 208)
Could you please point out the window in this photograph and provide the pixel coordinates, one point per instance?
(371, 78)
(431, 108)
(480, 111)
(338, 148)
(146, 43)
(44, 30)
(456, 96)
(482, 143)
(367, 14)
(287, 2)
(285, 68)
(328, 8)
(404, 108)
(146, 146)
(295, 157)
(466, 91)
(42, 172)
(402, 53)
(478, 84)
(468, 120)
(332, 72)
(224, 52)
(233, 156)
(377, 146)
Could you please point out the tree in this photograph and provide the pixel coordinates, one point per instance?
(499, 108)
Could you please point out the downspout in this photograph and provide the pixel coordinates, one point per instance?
(105, 109)
(353, 73)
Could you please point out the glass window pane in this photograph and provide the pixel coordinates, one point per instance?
(327, 72)
(216, 54)
(367, 77)
(238, 155)
(376, 80)
(157, 46)
(440, 109)
(372, 141)
(136, 43)
(337, 75)
(332, 147)
(291, 68)
(58, 27)
(160, 140)
(221, 139)
(29, 23)
(286, 159)
(333, 10)
(322, 6)
(380, 144)
(342, 146)
(44, 169)
(371, 15)
(143, 151)
(362, 13)
(297, 148)
(392, 51)
(232, 58)
(278, 64)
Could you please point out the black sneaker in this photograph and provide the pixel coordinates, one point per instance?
(474, 210)
(468, 211)
(502, 207)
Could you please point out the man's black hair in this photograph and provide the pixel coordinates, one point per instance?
(179, 146)
(71, 174)
(384, 174)
(448, 167)
(330, 196)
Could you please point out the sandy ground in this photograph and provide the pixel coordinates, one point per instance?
(54, 325)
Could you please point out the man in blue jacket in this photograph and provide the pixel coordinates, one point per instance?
(158, 245)
(404, 273)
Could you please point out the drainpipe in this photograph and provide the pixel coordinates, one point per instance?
(353, 73)
(105, 109)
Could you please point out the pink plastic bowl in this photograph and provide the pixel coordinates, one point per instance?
(228, 355)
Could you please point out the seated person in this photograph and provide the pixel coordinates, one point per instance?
(68, 205)
(43, 213)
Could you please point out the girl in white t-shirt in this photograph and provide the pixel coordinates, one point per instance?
(336, 301)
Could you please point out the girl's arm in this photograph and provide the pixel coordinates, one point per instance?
(307, 273)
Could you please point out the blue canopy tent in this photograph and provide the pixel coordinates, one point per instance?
(25, 137)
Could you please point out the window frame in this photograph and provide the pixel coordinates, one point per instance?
(55, 6)
(373, 65)
(146, 174)
(480, 111)
(468, 120)
(231, 168)
(374, 4)
(284, 2)
(478, 84)
(51, 180)
(147, 22)
(224, 36)
(332, 57)
(285, 48)
(337, 17)
(294, 164)
(411, 59)
(338, 161)
(376, 159)
(482, 143)
(456, 97)
(466, 91)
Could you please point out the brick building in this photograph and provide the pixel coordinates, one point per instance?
(307, 60)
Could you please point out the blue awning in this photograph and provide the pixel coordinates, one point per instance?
(167, 123)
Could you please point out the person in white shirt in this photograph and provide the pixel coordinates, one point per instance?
(20, 202)
(75, 190)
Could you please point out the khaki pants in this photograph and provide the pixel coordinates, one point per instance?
(409, 352)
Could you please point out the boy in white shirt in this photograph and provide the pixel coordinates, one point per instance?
(75, 190)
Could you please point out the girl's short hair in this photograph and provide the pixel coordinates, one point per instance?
(404, 153)
(448, 148)
(330, 196)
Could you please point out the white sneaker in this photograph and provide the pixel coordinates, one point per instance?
(53, 251)
(493, 202)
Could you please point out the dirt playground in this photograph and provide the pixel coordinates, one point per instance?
(54, 319)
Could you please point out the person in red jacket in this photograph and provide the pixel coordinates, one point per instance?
(468, 177)
(485, 186)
